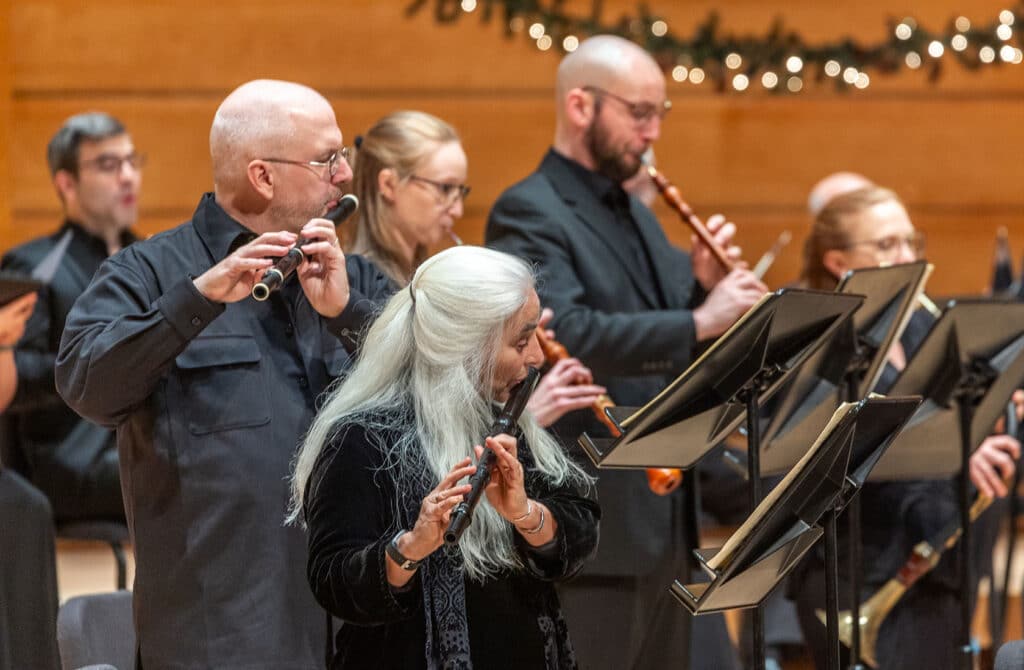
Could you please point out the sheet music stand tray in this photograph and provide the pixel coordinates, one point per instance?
(709, 400)
(848, 368)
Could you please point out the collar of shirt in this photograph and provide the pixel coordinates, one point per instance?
(220, 233)
(84, 244)
(601, 187)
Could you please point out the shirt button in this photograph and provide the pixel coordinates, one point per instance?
(196, 321)
(345, 332)
(303, 382)
(289, 330)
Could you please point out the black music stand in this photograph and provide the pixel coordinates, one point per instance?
(785, 524)
(966, 369)
(741, 370)
(845, 370)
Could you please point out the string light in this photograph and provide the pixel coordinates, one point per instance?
(777, 60)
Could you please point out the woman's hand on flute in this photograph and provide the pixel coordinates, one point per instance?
(706, 268)
(427, 533)
(506, 492)
(566, 387)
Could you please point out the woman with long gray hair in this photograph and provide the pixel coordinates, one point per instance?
(379, 473)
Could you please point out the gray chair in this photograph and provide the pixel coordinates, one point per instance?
(97, 630)
(1010, 656)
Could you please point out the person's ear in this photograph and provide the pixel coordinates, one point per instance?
(262, 178)
(580, 107)
(835, 262)
(387, 184)
(66, 184)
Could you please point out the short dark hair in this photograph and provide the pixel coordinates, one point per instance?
(62, 151)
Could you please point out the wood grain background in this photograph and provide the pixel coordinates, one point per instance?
(952, 150)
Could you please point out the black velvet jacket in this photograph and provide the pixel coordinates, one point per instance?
(514, 620)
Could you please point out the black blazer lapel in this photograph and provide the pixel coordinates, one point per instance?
(598, 218)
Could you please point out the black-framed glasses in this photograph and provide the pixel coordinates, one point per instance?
(641, 112)
(112, 163)
(449, 192)
(890, 244)
(333, 163)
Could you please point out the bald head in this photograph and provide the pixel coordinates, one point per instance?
(602, 61)
(835, 184)
(258, 120)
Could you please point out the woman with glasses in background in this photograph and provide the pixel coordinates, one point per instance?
(865, 228)
(409, 173)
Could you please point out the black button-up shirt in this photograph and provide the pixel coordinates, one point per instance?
(210, 402)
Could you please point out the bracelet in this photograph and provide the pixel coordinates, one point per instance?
(529, 511)
(540, 526)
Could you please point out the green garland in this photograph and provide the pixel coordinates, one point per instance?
(780, 61)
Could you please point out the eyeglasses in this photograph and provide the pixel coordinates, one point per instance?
(449, 192)
(642, 112)
(890, 245)
(112, 163)
(332, 163)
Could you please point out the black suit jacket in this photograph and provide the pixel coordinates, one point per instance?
(57, 445)
(634, 333)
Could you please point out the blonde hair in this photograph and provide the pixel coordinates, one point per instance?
(400, 141)
(831, 230)
(425, 376)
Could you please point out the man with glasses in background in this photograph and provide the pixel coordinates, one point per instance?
(634, 309)
(211, 391)
(96, 173)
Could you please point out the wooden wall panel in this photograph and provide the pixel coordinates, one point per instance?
(951, 150)
(6, 72)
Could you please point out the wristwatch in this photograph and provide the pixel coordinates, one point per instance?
(396, 555)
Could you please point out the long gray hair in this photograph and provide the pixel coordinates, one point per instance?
(432, 350)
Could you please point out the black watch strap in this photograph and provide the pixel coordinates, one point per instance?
(396, 555)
